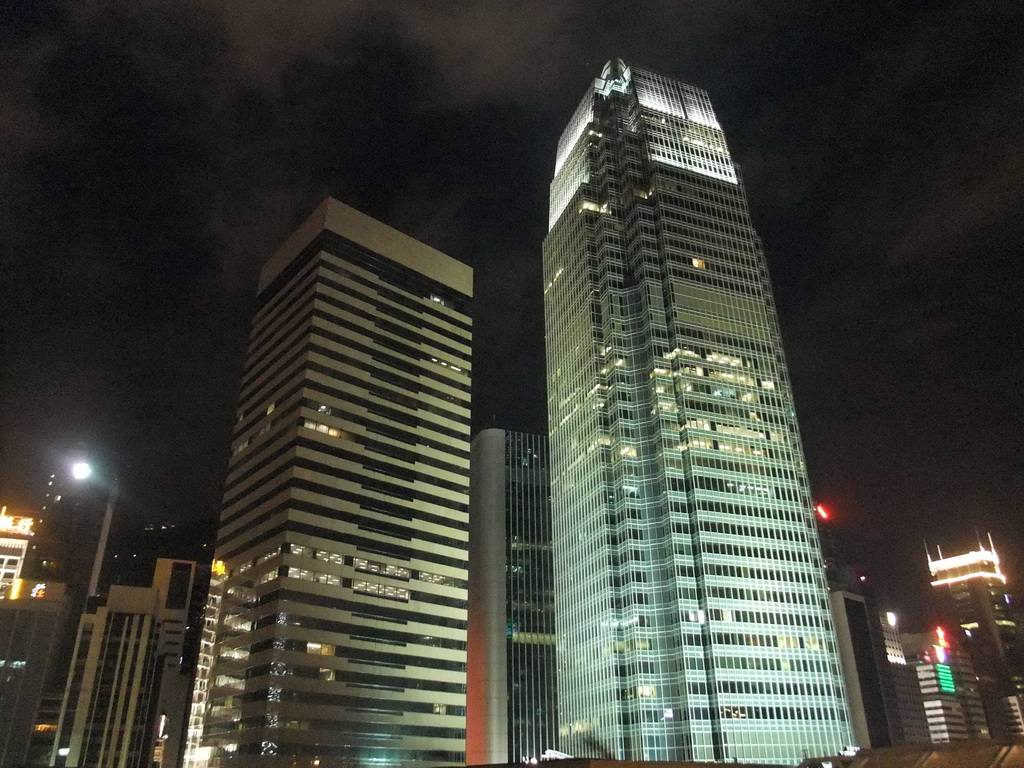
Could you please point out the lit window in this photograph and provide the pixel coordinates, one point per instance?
(384, 569)
(386, 591)
(698, 263)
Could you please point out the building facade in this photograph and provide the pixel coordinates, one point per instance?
(197, 755)
(342, 634)
(692, 609)
(30, 614)
(108, 714)
(976, 596)
(949, 686)
(511, 674)
(126, 698)
(175, 580)
(913, 724)
(15, 533)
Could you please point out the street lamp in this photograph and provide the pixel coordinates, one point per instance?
(81, 471)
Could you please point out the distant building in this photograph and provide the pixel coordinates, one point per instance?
(948, 684)
(174, 579)
(15, 532)
(874, 708)
(30, 613)
(110, 700)
(907, 690)
(124, 704)
(511, 696)
(978, 599)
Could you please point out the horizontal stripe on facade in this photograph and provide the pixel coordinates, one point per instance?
(358, 478)
(393, 419)
(282, 596)
(398, 275)
(328, 263)
(369, 633)
(351, 726)
(364, 543)
(367, 462)
(258, 366)
(369, 503)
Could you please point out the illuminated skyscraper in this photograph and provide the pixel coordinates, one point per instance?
(976, 593)
(342, 626)
(692, 610)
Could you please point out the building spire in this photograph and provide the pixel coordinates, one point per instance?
(615, 69)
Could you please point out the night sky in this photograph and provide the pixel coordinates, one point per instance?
(153, 154)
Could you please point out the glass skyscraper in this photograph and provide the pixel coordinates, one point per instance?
(342, 626)
(511, 654)
(692, 609)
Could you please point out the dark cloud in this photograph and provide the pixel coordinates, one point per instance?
(153, 154)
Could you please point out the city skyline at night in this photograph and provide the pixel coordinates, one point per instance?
(153, 154)
(877, 142)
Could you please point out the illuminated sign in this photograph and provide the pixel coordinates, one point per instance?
(22, 589)
(219, 568)
(18, 525)
(945, 675)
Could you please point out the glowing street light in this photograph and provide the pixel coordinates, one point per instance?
(81, 470)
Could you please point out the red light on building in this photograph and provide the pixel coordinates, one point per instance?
(941, 634)
(823, 513)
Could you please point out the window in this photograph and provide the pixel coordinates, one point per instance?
(387, 591)
(384, 569)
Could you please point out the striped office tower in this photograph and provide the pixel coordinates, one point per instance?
(342, 633)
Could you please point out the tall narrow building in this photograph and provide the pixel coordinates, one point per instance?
(691, 604)
(511, 654)
(342, 627)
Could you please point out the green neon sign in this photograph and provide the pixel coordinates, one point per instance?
(945, 675)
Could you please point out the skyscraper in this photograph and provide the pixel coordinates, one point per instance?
(949, 686)
(975, 590)
(342, 628)
(692, 609)
(511, 695)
